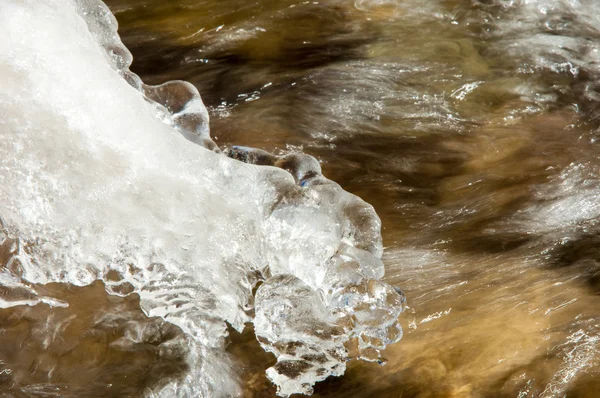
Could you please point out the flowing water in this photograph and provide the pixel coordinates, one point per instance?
(470, 126)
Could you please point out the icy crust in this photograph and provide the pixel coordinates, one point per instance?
(100, 181)
(305, 314)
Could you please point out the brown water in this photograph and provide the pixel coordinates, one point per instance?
(474, 137)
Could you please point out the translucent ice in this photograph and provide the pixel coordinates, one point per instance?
(104, 177)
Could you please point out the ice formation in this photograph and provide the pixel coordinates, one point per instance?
(104, 177)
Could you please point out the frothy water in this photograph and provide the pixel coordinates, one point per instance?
(104, 177)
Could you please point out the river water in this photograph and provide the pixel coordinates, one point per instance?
(470, 126)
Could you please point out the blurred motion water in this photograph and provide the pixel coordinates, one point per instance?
(470, 125)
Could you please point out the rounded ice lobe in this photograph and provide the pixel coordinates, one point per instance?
(105, 177)
(185, 110)
(293, 322)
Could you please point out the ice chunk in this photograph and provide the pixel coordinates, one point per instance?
(100, 181)
(293, 322)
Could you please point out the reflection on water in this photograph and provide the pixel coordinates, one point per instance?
(470, 126)
(98, 346)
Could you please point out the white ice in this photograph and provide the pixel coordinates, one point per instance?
(102, 174)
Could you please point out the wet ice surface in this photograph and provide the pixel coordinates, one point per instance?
(107, 178)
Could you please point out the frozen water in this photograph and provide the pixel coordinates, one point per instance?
(104, 177)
